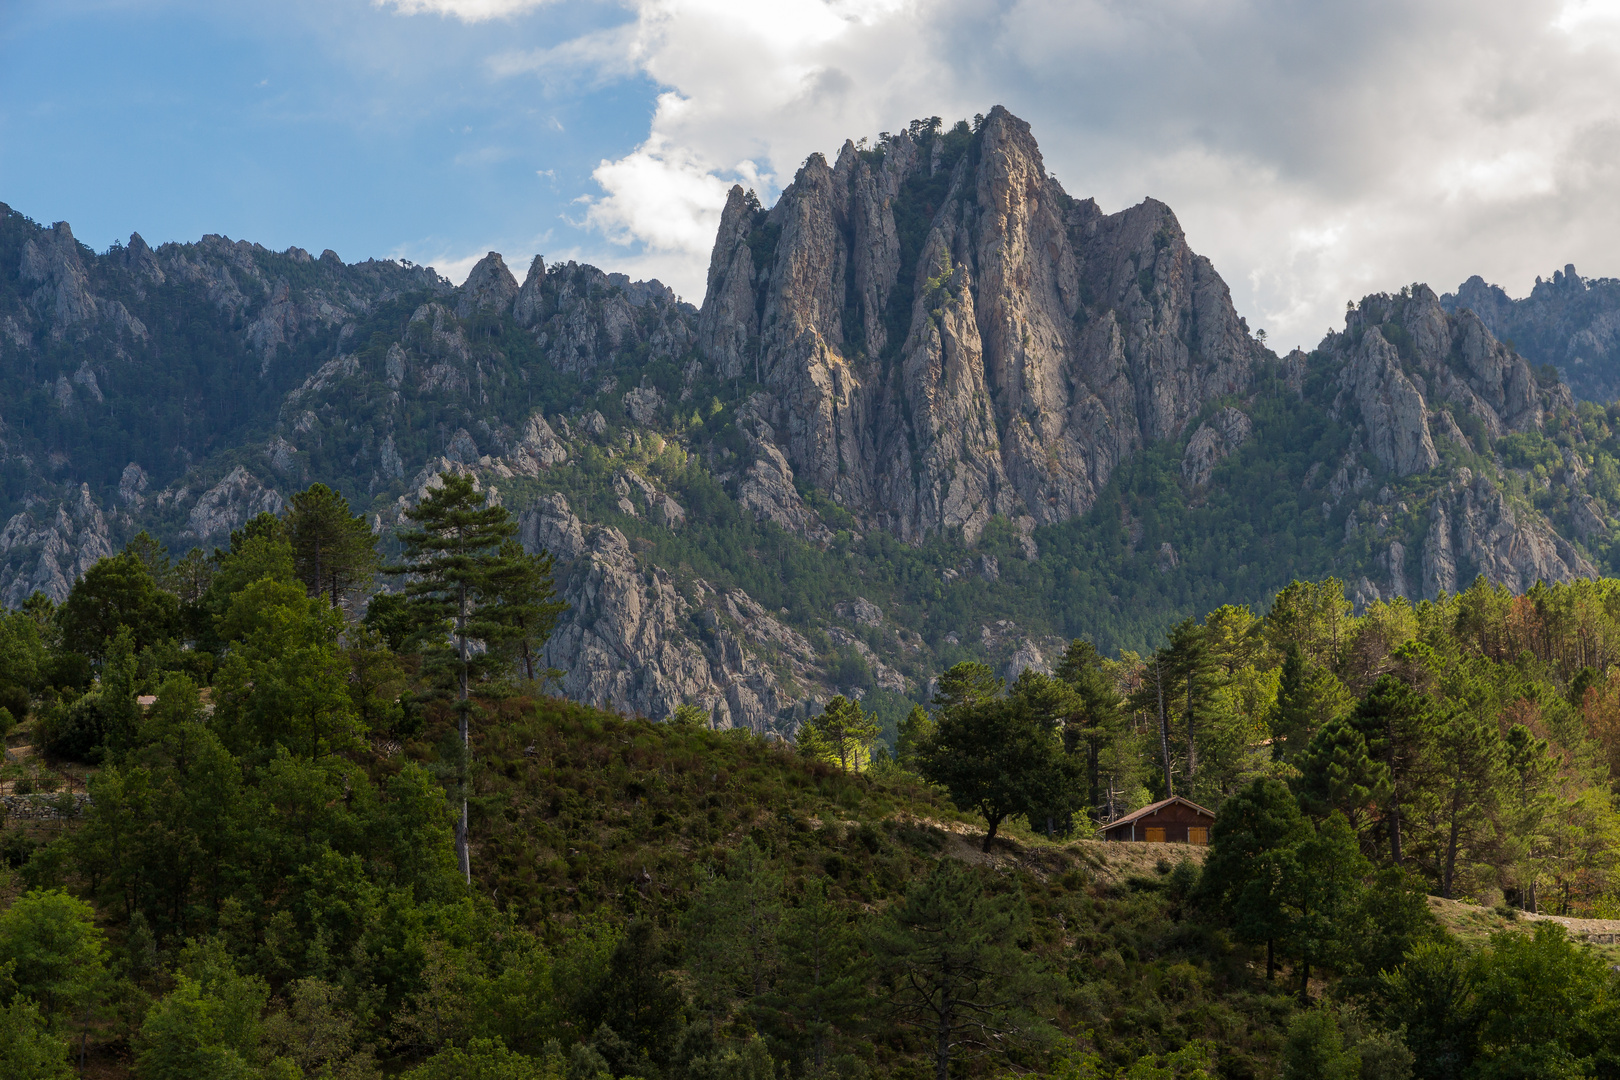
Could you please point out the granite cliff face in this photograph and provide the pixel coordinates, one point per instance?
(943, 334)
(1568, 321)
(633, 641)
(1411, 377)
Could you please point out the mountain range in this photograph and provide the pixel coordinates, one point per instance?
(932, 408)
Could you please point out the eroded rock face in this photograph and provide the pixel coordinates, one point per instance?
(1031, 344)
(1474, 530)
(1391, 407)
(229, 504)
(1567, 320)
(1402, 356)
(1213, 440)
(642, 404)
(583, 317)
(490, 286)
(632, 641)
(47, 553)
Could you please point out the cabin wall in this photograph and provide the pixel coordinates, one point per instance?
(1169, 825)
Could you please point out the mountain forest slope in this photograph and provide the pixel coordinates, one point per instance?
(239, 858)
(932, 408)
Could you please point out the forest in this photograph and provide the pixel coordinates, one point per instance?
(287, 810)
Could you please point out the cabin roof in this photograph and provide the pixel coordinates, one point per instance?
(1154, 808)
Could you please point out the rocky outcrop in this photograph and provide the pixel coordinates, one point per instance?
(1402, 356)
(1214, 439)
(490, 286)
(539, 448)
(632, 641)
(729, 322)
(1030, 345)
(766, 488)
(53, 261)
(229, 504)
(642, 405)
(1391, 407)
(1567, 321)
(47, 553)
(583, 318)
(1474, 529)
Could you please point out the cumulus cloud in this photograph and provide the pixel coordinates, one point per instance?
(1314, 152)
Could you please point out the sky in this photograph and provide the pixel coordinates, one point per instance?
(1315, 152)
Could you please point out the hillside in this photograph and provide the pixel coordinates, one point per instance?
(297, 842)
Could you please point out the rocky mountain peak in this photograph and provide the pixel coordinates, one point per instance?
(489, 287)
(1567, 321)
(946, 335)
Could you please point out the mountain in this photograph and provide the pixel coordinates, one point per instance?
(1570, 322)
(944, 335)
(932, 408)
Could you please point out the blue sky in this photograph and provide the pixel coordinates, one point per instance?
(1316, 152)
(335, 124)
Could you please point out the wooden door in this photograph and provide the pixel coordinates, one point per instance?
(1197, 835)
(1153, 836)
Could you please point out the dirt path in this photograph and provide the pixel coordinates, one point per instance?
(1103, 860)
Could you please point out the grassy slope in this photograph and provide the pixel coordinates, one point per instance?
(580, 811)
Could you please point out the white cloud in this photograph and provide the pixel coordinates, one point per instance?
(1314, 152)
(465, 10)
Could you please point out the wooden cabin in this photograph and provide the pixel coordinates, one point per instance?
(1171, 821)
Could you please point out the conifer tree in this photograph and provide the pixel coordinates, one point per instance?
(526, 607)
(1399, 726)
(1337, 774)
(452, 562)
(949, 959)
(1156, 697)
(820, 986)
(1193, 671)
(1098, 714)
(731, 931)
(1308, 697)
(841, 732)
(914, 732)
(334, 551)
(1470, 771)
(1246, 872)
(1321, 885)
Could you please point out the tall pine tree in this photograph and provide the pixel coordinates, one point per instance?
(452, 568)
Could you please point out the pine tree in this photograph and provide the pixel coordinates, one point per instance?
(334, 551)
(914, 732)
(1337, 774)
(1470, 773)
(841, 732)
(1156, 697)
(949, 959)
(731, 930)
(1098, 716)
(451, 559)
(1308, 697)
(820, 987)
(1399, 726)
(1245, 874)
(1193, 673)
(526, 607)
(1321, 886)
